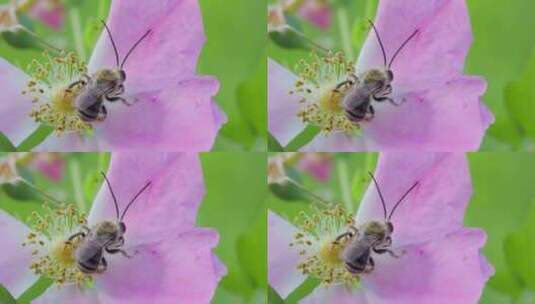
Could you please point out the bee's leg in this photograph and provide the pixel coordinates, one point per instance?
(117, 98)
(120, 90)
(385, 98)
(103, 113)
(343, 235)
(102, 266)
(386, 250)
(353, 79)
(370, 266)
(121, 251)
(371, 111)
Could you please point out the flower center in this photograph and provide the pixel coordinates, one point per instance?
(52, 251)
(316, 242)
(53, 97)
(317, 87)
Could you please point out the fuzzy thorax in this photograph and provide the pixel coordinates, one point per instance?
(316, 243)
(52, 251)
(322, 103)
(53, 101)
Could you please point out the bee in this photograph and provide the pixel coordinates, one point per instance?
(104, 85)
(374, 236)
(106, 236)
(373, 85)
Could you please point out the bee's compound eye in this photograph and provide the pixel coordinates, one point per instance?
(390, 227)
(122, 226)
(390, 75)
(123, 75)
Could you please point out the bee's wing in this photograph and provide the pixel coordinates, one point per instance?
(359, 249)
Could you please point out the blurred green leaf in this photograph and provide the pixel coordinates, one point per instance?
(274, 297)
(520, 99)
(6, 297)
(503, 190)
(251, 99)
(19, 192)
(519, 248)
(235, 198)
(236, 39)
(289, 38)
(37, 137)
(251, 247)
(303, 138)
(5, 144)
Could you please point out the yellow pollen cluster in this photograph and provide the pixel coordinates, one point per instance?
(316, 242)
(52, 99)
(52, 251)
(322, 104)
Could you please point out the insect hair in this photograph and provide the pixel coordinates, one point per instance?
(115, 46)
(383, 48)
(387, 218)
(115, 198)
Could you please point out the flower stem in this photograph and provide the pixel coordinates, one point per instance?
(343, 23)
(345, 188)
(74, 14)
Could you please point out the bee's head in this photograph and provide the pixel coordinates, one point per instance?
(377, 228)
(377, 78)
(108, 227)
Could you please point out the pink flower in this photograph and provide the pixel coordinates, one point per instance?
(319, 165)
(439, 259)
(317, 12)
(439, 107)
(49, 164)
(172, 107)
(172, 258)
(50, 12)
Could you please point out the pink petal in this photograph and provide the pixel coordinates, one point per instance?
(15, 260)
(448, 117)
(182, 118)
(167, 207)
(338, 294)
(283, 122)
(448, 269)
(283, 275)
(167, 56)
(435, 55)
(50, 12)
(50, 165)
(15, 108)
(435, 207)
(68, 142)
(316, 11)
(179, 269)
(336, 142)
(319, 165)
(68, 294)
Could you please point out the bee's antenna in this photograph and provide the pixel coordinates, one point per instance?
(380, 194)
(133, 47)
(401, 47)
(401, 199)
(112, 42)
(134, 199)
(379, 39)
(112, 194)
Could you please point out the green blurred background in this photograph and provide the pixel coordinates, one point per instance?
(236, 211)
(234, 53)
(503, 52)
(503, 204)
